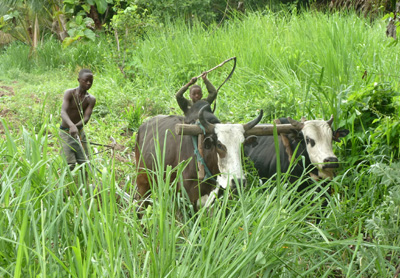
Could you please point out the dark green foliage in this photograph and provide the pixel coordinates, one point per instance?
(374, 114)
(374, 101)
(131, 23)
(208, 11)
(365, 7)
(173, 9)
(385, 138)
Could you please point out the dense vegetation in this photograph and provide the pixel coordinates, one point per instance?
(311, 65)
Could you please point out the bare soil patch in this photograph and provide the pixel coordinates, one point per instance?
(6, 113)
(6, 91)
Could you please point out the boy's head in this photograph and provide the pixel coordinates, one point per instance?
(195, 93)
(85, 79)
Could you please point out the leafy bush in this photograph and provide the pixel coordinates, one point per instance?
(373, 102)
(131, 22)
(80, 27)
(385, 138)
(373, 112)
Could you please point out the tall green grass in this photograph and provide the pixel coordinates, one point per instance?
(288, 65)
(50, 55)
(49, 229)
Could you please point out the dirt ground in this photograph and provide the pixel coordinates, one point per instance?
(6, 113)
(6, 91)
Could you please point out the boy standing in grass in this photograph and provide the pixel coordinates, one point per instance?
(76, 110)
(191, 107)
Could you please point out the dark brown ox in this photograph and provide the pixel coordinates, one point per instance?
(222, 155)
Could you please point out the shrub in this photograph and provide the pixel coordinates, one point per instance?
(373, 112)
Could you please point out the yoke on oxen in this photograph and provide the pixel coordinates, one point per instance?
(199, 130)
(258, 130)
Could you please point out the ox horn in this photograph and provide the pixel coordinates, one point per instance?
(207, 126)
(252, 123)
(330, 121)
(295, 123)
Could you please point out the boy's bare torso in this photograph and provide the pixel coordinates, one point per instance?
(77, 105)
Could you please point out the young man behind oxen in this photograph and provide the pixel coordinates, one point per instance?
(192, 107)
(76, 110)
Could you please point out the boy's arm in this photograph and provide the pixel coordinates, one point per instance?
(182, 101)
(64, 114)
(88, 112)
(212, 92)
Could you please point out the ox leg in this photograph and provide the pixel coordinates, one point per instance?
(143, 192)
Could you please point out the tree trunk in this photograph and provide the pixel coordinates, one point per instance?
(93, 14)
(391, 27)
(59, 25)
(36, 33)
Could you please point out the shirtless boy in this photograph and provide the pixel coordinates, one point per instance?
(76, 110)
(188, 106)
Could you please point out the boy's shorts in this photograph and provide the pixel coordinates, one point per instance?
(72, 148)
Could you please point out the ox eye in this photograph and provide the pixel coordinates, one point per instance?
(221, 146)
(310, 141)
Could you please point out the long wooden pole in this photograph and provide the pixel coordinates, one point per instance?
(220, 65)
(259, 130)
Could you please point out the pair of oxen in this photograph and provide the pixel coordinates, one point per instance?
(213, 150)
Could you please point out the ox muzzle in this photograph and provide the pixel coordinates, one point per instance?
(236, 183)
(331, 162)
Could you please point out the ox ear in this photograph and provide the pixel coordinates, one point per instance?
(296, 124)
(208, 143)
(295, 135)
(339, 133)
(251, 141)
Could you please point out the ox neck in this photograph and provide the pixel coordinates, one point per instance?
(208, 175)
(290, 148)
(300, 145)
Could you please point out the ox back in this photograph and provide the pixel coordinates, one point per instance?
(264, 156)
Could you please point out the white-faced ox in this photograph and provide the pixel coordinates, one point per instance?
(313, 141)
(221, 154)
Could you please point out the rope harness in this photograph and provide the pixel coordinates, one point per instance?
(199, 158)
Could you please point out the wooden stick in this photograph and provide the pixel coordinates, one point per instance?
(220, 65)
(260, 130)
